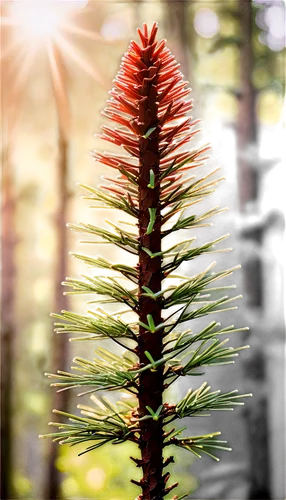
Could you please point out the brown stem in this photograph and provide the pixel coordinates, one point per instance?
(150, 275)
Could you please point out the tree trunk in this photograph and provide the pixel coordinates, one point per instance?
(137, 12)
(181, 40)
(177, 11)
(60, 343)
(10, 106)
(247, 123)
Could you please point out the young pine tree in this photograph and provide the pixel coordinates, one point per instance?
(152, 185)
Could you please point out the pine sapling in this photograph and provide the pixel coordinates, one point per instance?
(154, 185)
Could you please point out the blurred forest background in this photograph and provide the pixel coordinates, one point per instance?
(55, 81)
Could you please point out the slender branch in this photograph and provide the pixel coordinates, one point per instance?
(123, 345)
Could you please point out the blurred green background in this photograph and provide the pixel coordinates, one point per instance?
(55, 81)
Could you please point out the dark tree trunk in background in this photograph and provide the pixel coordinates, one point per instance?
(178, 42)
(59, 343)
(137, 13)
(181, 40)
(247, 123)
(255, 467)
(10, 109)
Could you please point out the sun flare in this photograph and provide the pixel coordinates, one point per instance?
(31, 26)
(38, 20)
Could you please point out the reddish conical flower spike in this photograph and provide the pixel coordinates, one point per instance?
(149, 70)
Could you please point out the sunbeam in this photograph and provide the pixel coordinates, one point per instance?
(33, 26)
(69, 49)
(75, 30)
(21, 72)
(59, 87)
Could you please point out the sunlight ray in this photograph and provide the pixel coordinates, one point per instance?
(8, 21)
(70, 50)
(28, 20)
(60, 92)
(75, 30)
(23, 71)
(8, 51)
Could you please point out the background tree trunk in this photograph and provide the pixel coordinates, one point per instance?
(252, 196)
(10, 107)
(60, 343)
(137, 14)
(246, 123)
(181, 41)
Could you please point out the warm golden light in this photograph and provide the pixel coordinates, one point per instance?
(39, 19)
(38, 24)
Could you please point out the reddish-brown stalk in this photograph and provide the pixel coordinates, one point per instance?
(149, 101)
